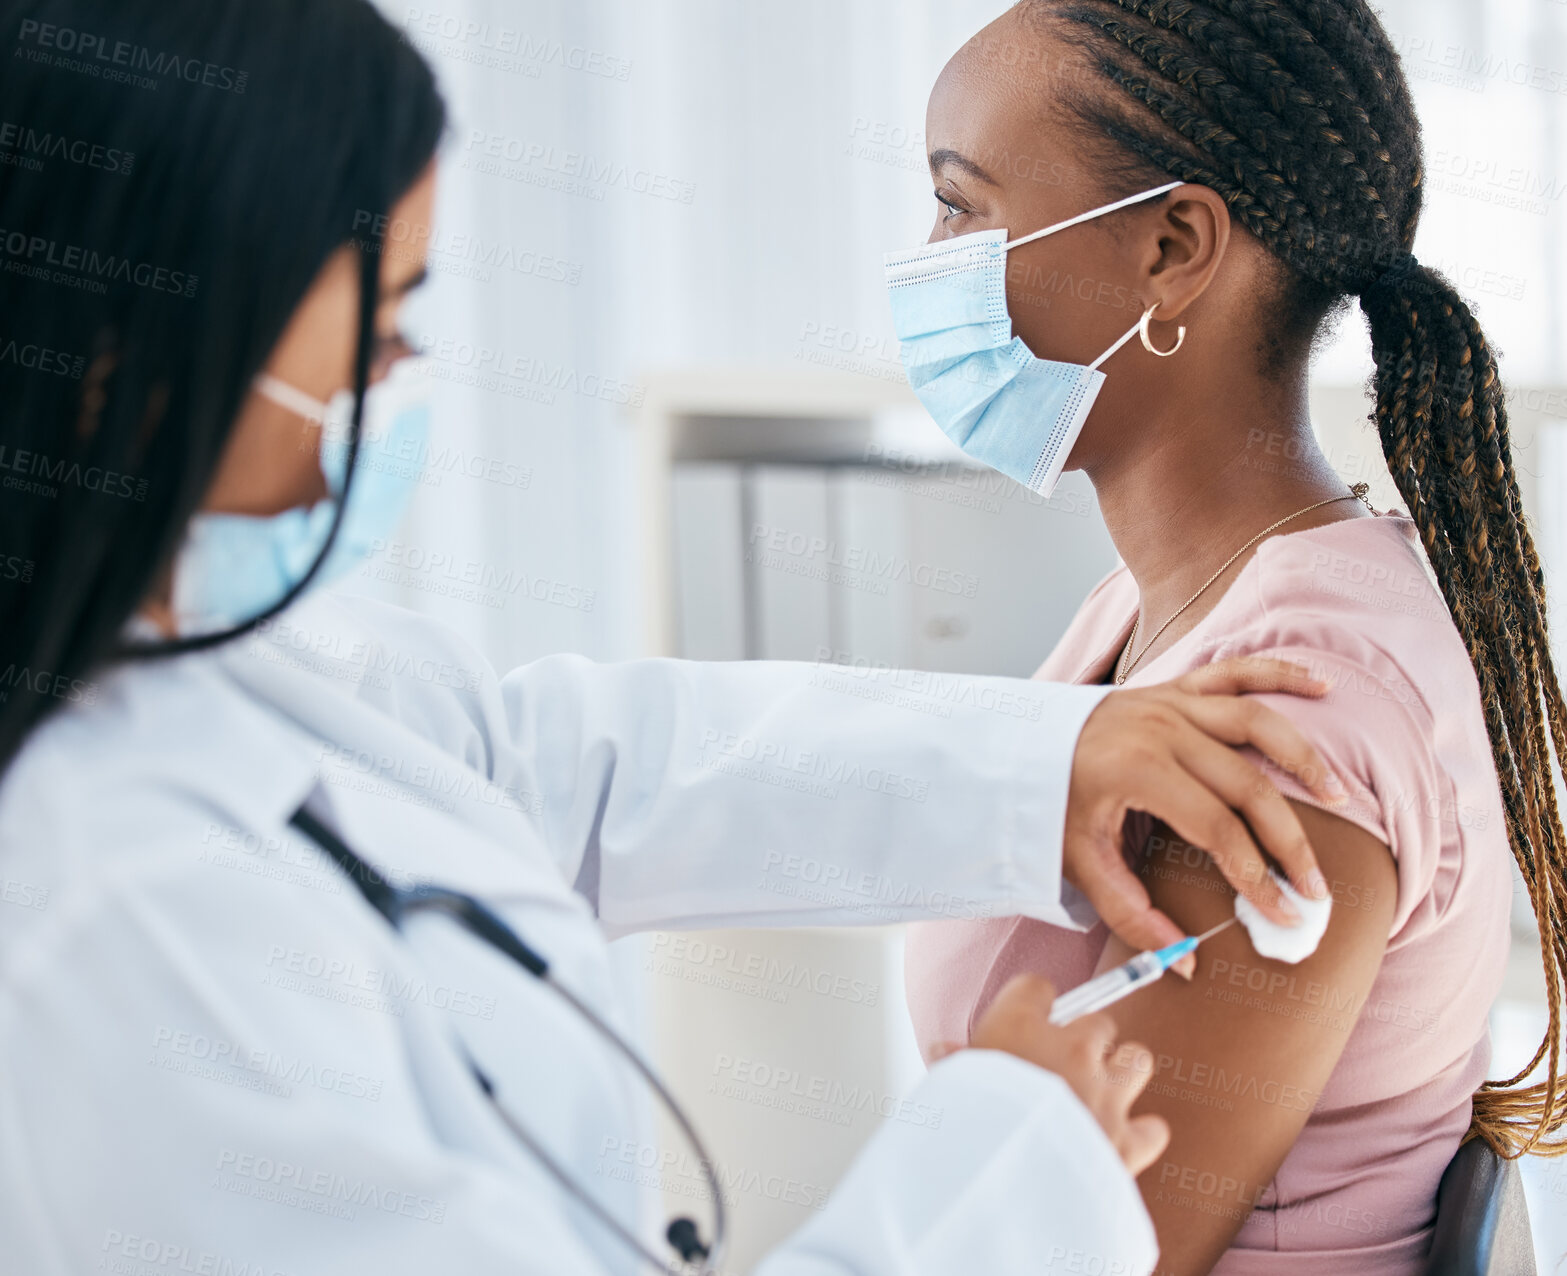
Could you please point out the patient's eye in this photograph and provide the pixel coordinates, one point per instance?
(953, 210)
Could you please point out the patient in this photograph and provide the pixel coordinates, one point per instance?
(1312, 1107)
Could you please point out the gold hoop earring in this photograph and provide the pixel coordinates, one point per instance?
(1148, 345)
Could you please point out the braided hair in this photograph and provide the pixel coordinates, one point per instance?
(1298, 114)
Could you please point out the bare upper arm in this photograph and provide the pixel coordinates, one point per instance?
(1240, 1054)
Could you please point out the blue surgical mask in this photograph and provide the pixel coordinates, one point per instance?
(234, 567)
(984, 387)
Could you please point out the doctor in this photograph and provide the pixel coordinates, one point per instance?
(220, 1052)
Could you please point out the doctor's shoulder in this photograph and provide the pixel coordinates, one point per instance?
(129, 772)
(388, 651)
(150, 828)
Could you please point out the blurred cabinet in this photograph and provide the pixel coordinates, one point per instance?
(940, 569)
(829, 514)
(927, 563)
(707, 522)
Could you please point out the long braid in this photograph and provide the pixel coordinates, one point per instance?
(1298, 114)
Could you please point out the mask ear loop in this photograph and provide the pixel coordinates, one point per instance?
(1129, 334)
(1140, 328)
(1089, 216)
(369, 292)
(290, 397)
(1092, 213)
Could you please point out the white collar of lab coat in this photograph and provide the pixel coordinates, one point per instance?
(253, 765)
(181, 723)
(313, 689)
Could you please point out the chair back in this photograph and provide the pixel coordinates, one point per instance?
(1482, 1220)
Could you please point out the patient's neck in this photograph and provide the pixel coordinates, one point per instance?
(1185, 490)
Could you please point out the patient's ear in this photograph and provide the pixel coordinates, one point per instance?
(1183, 246)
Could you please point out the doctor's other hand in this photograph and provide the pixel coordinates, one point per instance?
(1170, 751)
(1083, 1054)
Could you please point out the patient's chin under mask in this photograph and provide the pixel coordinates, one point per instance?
(984, 387)
(234, 567)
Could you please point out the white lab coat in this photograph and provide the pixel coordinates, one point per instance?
(216, 1058)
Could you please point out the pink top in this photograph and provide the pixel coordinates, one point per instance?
(1403, 729)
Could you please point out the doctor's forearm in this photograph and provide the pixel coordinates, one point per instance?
(763, 793)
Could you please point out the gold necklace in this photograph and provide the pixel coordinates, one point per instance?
(1124, 667)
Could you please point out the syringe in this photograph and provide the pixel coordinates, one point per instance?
(1106, 989)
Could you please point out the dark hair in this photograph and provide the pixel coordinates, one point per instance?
(1298, 114)
(179, 171)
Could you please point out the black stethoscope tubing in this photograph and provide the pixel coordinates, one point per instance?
(395, 904)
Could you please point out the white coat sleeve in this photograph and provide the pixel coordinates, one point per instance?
(1018, 1177)
(678, 794)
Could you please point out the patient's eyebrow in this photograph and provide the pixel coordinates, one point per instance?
(940, 159)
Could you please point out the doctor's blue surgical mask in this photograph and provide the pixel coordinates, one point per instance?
(1007, 409)
(234, 567)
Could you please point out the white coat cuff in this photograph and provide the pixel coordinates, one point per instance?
(1043, 893)
(1009, 1173)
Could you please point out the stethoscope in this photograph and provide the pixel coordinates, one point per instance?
(395, 904)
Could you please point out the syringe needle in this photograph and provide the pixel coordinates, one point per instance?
(1229, 921)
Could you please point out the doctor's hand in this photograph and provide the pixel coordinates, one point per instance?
(1170, 751)
(1082, 1054)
